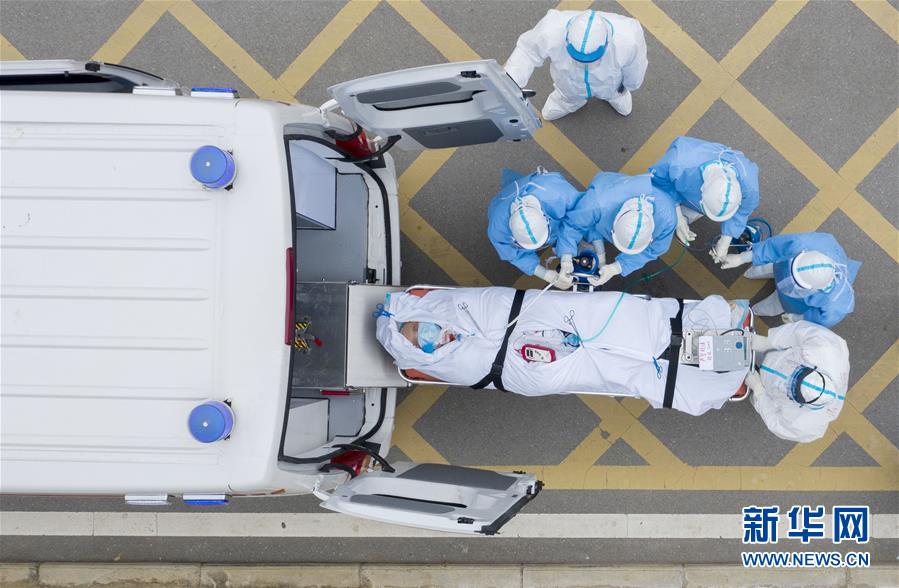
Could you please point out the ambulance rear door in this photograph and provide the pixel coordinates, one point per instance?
(434, 496)
(440, 106)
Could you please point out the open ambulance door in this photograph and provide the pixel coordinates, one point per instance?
(436, 496)
(440, 106)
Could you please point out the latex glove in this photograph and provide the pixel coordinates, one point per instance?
(754, 382)
(761, 344)
(563, 282)
(607, 272)
(599, 246)
(719, 252)
(567, 266)
(553, 277)
(789, 317)
(732, 260)
(683, 232)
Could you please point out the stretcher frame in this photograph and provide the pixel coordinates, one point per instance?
(749, 325)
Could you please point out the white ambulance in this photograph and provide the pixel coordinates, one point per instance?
(188, 281)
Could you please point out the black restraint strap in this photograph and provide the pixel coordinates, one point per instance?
(672, 354)
(495, 376)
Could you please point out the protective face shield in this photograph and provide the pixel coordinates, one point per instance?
(812, 270)
(721, 192)
(529, 226)
(430, 335)
(587, 37)
(634, 225)
(809, 387)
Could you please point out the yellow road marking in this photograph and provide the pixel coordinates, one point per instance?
(883, 15)
(416, 447)
(566, 153)
(325, 43)
(723, 478)
(635, 406)
(574, 4)
(420, 231)
(872, 151)
(682, 119)
(434, 30)
(235, 57)
(694, 273)
(762, 33)
(835, 189)
(641, 440)
(421, 171)
(131, 31)
(779, 136)
(596, 443)
(435, 246)
(860, 429)
(804, 454)
(670, 34)
(855, 170)
(573, 469)
(872, 222)
(869, 437)
(875, 380)
(415, 405)
(526, 282)
(8, 52)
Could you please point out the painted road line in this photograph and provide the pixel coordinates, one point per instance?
(131, 31)
(8, 52)
(326, 525)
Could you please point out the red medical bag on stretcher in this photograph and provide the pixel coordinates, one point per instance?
(536, 353)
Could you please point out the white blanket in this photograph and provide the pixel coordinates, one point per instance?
(621, 360)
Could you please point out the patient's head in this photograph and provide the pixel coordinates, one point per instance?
(426, 336)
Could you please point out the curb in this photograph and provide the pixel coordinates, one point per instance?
(30, 575)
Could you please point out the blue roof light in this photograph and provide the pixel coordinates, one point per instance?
(212, 167)
(211, 421)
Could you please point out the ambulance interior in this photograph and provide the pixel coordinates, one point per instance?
(335, 203)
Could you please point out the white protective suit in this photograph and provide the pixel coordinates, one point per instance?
(622, 361)
(801, 344)
(623, 63)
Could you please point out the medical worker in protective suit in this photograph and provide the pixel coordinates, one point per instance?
(526, 216)
(813, 277)
(627, 211)
(592, 55)
(801, 382)
(711, 180)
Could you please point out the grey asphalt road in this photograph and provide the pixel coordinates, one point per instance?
(829, 76)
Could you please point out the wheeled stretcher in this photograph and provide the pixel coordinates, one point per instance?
(742, 319)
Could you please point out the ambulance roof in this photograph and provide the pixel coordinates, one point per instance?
(130, 293)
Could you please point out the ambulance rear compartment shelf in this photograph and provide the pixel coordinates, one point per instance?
(335, 333)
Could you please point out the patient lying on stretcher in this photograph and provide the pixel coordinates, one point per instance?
(601, 342)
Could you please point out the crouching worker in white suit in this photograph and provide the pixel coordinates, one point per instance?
(602, 342)
(802, 379)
